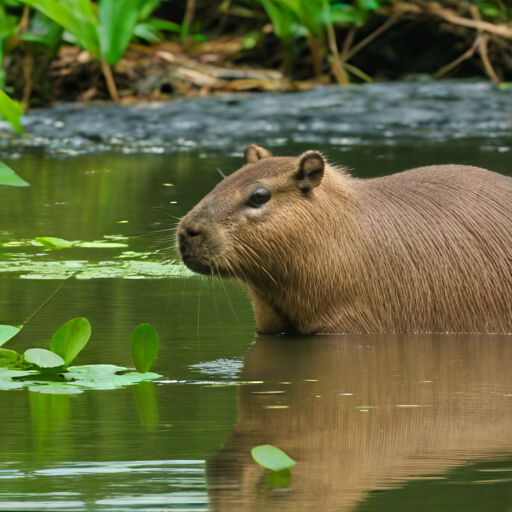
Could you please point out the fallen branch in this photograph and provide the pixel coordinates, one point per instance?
(466, 55)
(367, 40)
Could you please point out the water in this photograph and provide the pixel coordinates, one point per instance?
(376, 423)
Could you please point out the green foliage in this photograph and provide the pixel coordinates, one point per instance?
(11, 110)
(105, 33)
(144, 344)
(43, 358)
(9, 177)
(272, 458)
(49, 370)
(70, 339)
(53, 243)
(7, 332)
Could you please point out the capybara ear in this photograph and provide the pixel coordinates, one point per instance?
(255, 153)
(310, 170)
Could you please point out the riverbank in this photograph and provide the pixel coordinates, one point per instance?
(435, 111)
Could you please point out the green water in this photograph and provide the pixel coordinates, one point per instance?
(375, 422)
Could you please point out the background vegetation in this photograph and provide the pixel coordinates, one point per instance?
(55, 50)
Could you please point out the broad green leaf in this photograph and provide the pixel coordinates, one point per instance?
(76, 16)
(272, 458)
(7, 332)
(144, 344)
(9, 177)
(11, 110)
(53, 243)
(71, 338)
(117, 20)
(9, 358)
(43, 358)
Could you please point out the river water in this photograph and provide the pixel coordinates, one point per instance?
(375, 423)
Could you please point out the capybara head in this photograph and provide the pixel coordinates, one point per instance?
(251, 221)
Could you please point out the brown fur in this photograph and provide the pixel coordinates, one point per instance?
(426, 250)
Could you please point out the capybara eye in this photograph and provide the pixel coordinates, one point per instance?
(259, 196)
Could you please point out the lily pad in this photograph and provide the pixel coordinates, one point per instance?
(53, 243)
(105, 376)
(99, 376)
(43, 358)
(272, 458)
(7, 332)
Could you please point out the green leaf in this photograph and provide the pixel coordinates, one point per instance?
(144, 344)
(11, 110)
(117, 20)
(53, 243)
(76, 16)
(9, 358)
(43, 358)
(168, 26)
(9, 177)
(272, 458)
(7, 332)
(147, 32)
(71, 338)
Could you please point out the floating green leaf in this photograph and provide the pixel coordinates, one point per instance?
(53, 243)
(9, 358)
(9, 177)
(43, 358)
(71, 338)
(272, 458)
(144, 344)
(7, 332)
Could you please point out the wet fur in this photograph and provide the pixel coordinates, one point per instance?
(426, 250)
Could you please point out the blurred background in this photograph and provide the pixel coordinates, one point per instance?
(127, 50)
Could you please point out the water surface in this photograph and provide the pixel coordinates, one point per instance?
(375, 422)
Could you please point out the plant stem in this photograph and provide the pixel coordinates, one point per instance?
(336, 65)
(28, 68)
(187, 19)
(111, 85)
(315, 56)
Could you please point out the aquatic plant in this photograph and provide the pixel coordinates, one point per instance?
(275, 460)
(39, 366)
(103, 29)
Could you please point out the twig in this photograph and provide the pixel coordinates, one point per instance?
(27, 67)
(485, 26)
(315, 55)
(336, 64)
(482, 49)
(349, 39)
(187, 19)
(367, 40)
(111, 85)
(357, 72)
(466, 55)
